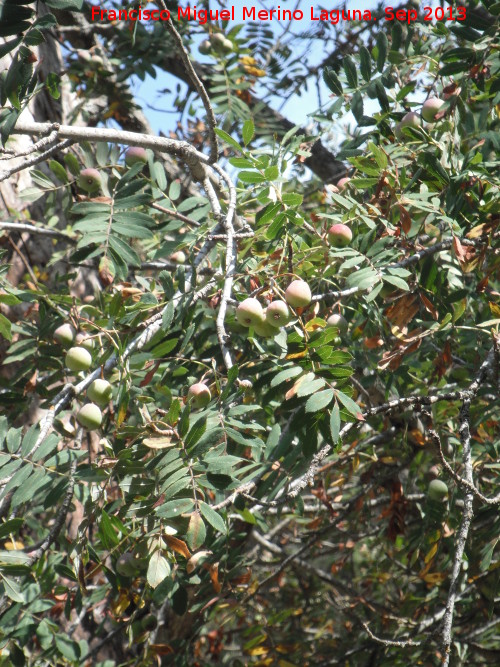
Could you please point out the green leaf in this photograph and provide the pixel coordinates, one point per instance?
(363, 278)
(309, 387)
(158, 569)
(174, 191)
(357, 106)
(168, 316)
(5, 328)
(122, 249)
(348, 403)
(271, 173)
(195, 432)
(487, 555)
(365, 63)
(382, 43)
(251, 177)
(107, 532)
(12, 589)
(196, 531)
(228, 139)
(174, 508)
(53, 83)
(72, 5)
(335, 423)
(350, 71)
(276, 226)
(379, 155)
(319, 400)
(58, 170)
(248, 131)
(158, 174)
(213, 518)
(332, 81)
(397, 282)
(14, 558)
(241, 162)
(285, 375)
(292, 199)
(27, 491)
(10, 527)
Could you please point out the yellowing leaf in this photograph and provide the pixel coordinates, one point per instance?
(158, 443)
(432, 552)
(158, 569)
(196, 531)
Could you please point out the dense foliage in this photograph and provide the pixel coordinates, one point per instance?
(331, 499)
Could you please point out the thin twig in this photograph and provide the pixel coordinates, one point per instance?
(468, 513)
(200, 89)
(41, 231)
(36, 159)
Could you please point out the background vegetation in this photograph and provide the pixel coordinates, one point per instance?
(289, 521)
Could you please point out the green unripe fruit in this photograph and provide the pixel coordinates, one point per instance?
(78, 359)
(250, 312)
(226, 46)
(85, 341)
(437, 490)
(339, 235)
(338, 321)
(430, 108)
(277, 314)
(205, 47)
(90, 416)
(216, 40)
(178, 257)
(65, 334)
(135, 154)
(411, 119)
(298, 294)
(100, 392)
(199, 394)
(126, 565)
(89, 180)
(265, 329)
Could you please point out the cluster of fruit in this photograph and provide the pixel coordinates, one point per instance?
(79, 358)
(217, 42)
(430, 108)
(266, 322)
(90, 179)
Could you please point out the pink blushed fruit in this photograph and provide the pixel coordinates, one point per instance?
(277, 314)
(338, 321)
(65, 334)
(342, 184)
(199, 394)
(179, 257)
(339, 235)
(298, 294)
(430, 109)
(135, 154)
(265, 329)
(89, 180)
(205, 47)
(250, 312)
(411, 119)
